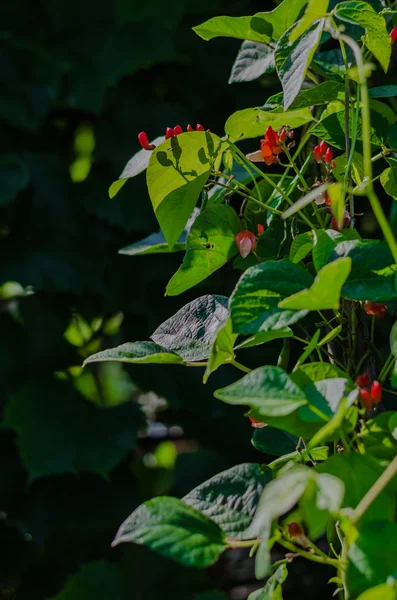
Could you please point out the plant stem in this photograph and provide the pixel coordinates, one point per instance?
(244, 195)
(240, 366)
(309, 555)
(295, 168)
(386, 368)
(375, 490)
(241, 543)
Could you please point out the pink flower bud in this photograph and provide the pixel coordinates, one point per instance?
(246, 242)
(376, 392)
(282, 136)
(323, 148)
(317, 154)
(199, 127)
(329, 157)
(189, 128)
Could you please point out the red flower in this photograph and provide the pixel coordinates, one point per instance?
(393, 35)
(375, 309)
(189, 128)
(318, 155)
(363, 380)
(270, 148)
(329, 157)
(376, 392)
(261, 229)
(369, 396)
(144, 141)
(169, 133)
(346, 222)
(177, 130)
(246, 242)
(366, 398)
(323, 147)
(322, 153)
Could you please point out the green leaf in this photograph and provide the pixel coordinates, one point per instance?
(274, 442)
(175, 530)
(324, 386)
(378, 437)
(293, 61)
(383, 91)
(295, 424)
(325, 291)
(301, 246)
(95, 439)
(191, 332)
(389, 181)
(235, 27)
(177, 172)
(155, 243)
(332, 129)
(367, 565)
(384, 591)
(231, 497)
(254, 303)
(222, 349)
(316, 9)
(321, 499)
(325, 92)
(93, 580)
(392, 136)
(253, 60)
(357, 167)
(337, 196)
(372, 273)
(14, 177)
(393, 425)
(136, 352)
(136, 165)
(325, 241)
(268, 390)
(276, 22)
(252, 122)
(272, 589)
(209, 246)
(264, 337)
(376, 36)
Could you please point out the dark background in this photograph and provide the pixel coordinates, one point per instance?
(80, 450)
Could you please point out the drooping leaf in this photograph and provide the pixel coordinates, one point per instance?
(93, 580)
(325, 291)
(316, 9)
(293, 60)
(254, 303)
(252, 122)
(209, 245)
(136, 165)
(175, 530)
(177, 172)
(235, 27)
(253, 60)
(269, 390)
(231, 497)
(376, 36)
(136, 352)
(276, 22)
(222, 349)
(191, 332)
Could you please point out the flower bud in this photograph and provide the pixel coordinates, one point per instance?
(294, 530)
(375, 309)
(323, 147)
(246, 242)
(329, 157)
(333, 164)
(282, 136)
(317, 154)
(261, 228)
(177, 130)
(144, 141)
(189, 128)
(291, 134)
(169, 133)
(376, 392)
(366, 397)
(393, 35)
(199, 127)
(363, 380)
(256, 423)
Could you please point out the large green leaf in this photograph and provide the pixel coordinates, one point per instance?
(253, 122)
(49, 414)
(235, 27)
(325, 291)
(253, 60)
(136, 352)
(325, 92)
(332, 129)
(384, 591)
(276, 22)
(272, 588)
(222, 349)
(136, 165)
(274, 442)
(209, 245)
(175, 530)
(325, 241)
(231, 497)
(372, 556)
(301, 246)
(177, 172)
(191, 332)
(389, 181)
(376, 36)
(254, 302)
(316, 9)
(269, 390)
(93, 580)
(383, 91)
(372, 273)
(293, 60)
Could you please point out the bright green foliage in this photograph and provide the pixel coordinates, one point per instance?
(332, 129)
(252, 122)
(316, 9)
(175, 530)
(235, 27)
(276, 22)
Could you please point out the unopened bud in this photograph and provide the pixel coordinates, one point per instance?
(177, 130)
(376, 392)
(329, 157)
(169, 133)
(199, 127)
(189, 128)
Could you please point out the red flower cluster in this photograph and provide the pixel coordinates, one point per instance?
(393, 35)
(246, 242)
(323, 153)
(375, 309)
(369, 394)
(271, 146)
(169, 133)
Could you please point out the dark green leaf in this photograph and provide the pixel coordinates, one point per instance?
(209, 245)
(231, 497)
(269, 390)
(325, 92)
(383, 91)
(272, 441)
(264, 337)
(14, 177)
(332, 129)
(325, 241)
(254, 303)
(253, 60)
(389, 181)
(136, 352)
(191, 332)
(94, 580)
(293, 61)
(301, 247)
(175, 530)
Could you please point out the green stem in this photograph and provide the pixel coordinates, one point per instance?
(295, 168)
(240, 366)
(241, 543)
(386, 368)
(248, 197)
(372, 494)
(309, 555)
